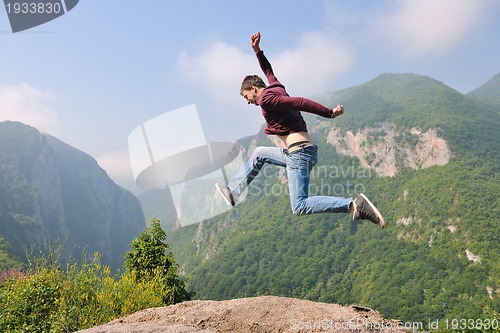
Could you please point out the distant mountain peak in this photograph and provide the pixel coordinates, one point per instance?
(407, 78)
(489, 92)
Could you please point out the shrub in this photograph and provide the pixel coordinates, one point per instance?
(50, 297)
(149, 260)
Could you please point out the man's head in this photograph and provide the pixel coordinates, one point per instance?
(251, 88)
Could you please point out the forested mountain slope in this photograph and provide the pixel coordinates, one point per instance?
(439, 256)
(488, 93)
(53, 195)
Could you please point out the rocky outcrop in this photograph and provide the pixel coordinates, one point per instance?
(386, 148)
(254, 315)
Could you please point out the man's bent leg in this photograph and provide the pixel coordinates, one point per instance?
(260, 156)
(298, 168)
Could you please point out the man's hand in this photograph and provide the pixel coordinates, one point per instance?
(255, 41)
(339, 110)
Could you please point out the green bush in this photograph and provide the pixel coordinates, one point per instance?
(49, 297)
(149, 260)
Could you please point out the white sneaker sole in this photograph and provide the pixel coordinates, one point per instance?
(219, 189)
(382, 221)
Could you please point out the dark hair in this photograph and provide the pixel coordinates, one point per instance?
(252, 80)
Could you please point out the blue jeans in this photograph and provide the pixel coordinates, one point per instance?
(298, 165)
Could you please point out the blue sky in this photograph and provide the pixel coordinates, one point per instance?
(91, 76)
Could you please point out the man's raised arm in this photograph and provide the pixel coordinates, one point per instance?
(265, 65)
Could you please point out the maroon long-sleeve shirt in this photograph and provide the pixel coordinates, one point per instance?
(282, 112)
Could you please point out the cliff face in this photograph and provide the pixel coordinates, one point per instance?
(48, 213)
(55, 195)
(386, 149)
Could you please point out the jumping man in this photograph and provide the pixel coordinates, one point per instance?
(283, 118)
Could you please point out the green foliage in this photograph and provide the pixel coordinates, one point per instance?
(149, 259)
(7, 260)
(415, 272)
(488, 93)
(49, 298)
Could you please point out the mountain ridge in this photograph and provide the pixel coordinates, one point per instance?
(439, 216)
(57, 196)
(411, 100)
(488, 93)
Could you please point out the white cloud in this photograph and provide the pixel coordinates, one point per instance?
(313, 65)
(219, 68)
(308, 68)
(421, 27)
(29, 105)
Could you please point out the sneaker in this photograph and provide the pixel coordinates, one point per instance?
(365, 210)
(226, 194)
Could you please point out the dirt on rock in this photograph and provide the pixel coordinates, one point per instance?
(256, 315)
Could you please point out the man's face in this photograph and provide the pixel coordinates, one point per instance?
(250, 95)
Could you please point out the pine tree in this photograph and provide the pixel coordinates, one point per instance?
(150, 260)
